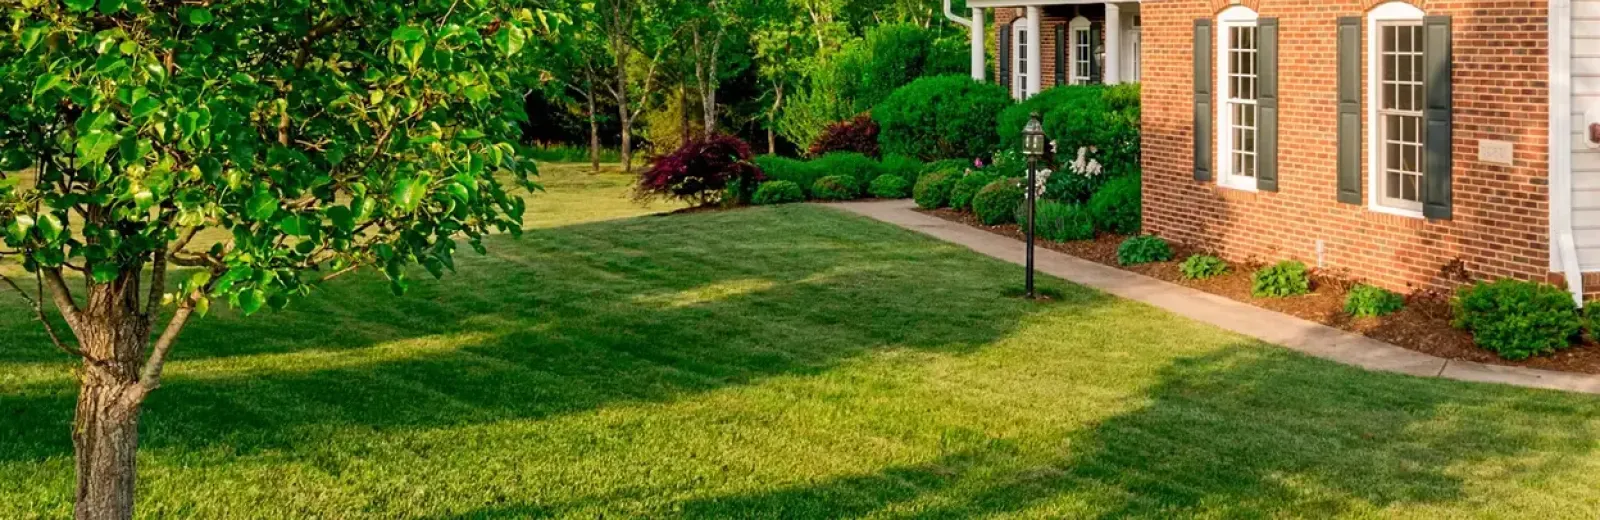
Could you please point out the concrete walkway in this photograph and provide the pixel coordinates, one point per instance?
(1269, 326)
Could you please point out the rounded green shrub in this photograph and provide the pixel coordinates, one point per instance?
(1011, 120)
(836, 187)
(1116, 207)
(889, 187)
(1365, 301)
(1286, 278)
(967, 187)
(940, 117)
(778, 192)
(1058, 221)
(859, 167)
(956, 166)
(908, 168)
(1109, 123)
(1143, 249)
(1517, 319)
(933, 189)
(997, 202)
(776, 168)
(1200, 267)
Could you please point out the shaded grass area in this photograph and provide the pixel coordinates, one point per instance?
(785, 362)
(575, 193)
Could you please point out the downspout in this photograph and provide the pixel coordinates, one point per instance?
(1560, 145)
(974, 26)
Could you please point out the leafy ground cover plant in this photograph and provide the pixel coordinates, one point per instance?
(1143, 249)
(1286, 278)
(1058, 221)
(1365, 301)
(1200, 267)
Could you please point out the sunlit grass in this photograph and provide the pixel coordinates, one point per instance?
(789, 362)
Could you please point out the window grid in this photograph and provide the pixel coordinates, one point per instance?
(1242, 82)
(1022, 63)
(1081, 49)
(1400, 112)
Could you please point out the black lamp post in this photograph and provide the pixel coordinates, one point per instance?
(1033, 148)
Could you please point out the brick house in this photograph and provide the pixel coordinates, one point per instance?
(1401, 142)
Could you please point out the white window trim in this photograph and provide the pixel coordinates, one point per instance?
(1132, 45)
(1236, 16)
(1019, 41)
(1389, 12)
(1079, 24)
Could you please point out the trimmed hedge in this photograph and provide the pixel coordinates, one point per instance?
(889, 187)
(802, 173)
(942, 117)
(997, 202)
(908, 168)
(933, 189)
(778, 192)
(836, 187)
(859, 167)
(967, 187)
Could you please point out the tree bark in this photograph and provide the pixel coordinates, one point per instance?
(113, 333)
(594, 128)
(772, 119)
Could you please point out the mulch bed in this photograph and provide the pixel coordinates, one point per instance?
(1423, 325)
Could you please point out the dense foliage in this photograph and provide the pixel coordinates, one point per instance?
(1010, 121)
(1365, 301)
(864, 72)
(1517, 319)
(836, 187)
(1143, 249)
(700, 171)
(1286, 278)
(997, 202)
(932, 191)
(889, 187)
(778, 192)
(967, 186)
(802, 173)
(1107, 123)
(1058, 221)
(908, 168)
(860, 167)
(1116, 208)
(859, 135)
(1201, 267)
(941, 117)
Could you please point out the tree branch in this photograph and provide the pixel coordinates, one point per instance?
(38, 311)
(62, 296)
(158, 283)
(150, 377)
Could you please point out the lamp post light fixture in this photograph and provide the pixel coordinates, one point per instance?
(1033, 148)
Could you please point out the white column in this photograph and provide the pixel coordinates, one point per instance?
(1035, 47)
(1111, 73)
(980, 69)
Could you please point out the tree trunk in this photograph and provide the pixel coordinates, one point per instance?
(105, 433)
(683, 115)
(772, 119)
(594, 132)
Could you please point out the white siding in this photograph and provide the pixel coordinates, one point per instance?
(1585, 160)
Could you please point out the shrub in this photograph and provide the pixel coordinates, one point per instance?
(860, 167)
(1058, 221)
(836, 187)
(908, 168)
(967, 187)
(1109, 123)
(997, 202)
(957, 166)
(859, 135)
(1143, 250)
(802, 173)
(889, 187)
(778, 192)
(940, 117)
(1286, 278)
(1200, 267)
(1009, 163)
(1115, 208)
(700, 171)
(1011, 120)
(933, 189)
(1368, 301)
(1517, 319)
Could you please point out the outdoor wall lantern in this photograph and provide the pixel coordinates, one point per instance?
(1033, 148)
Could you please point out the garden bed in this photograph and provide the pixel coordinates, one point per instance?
(1423, 325)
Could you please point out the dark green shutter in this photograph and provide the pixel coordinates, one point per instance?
(1005, 56)
(1436, 132)
(1202, 99)
(1267, 104)
(1061, 54)
(1096, 50)
(1349, 146)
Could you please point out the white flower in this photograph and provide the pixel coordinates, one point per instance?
(1084, 165)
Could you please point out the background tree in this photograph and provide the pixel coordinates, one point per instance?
(239, 153)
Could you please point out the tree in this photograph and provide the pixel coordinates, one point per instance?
(781, 46)
(312, 138)
(636, 39)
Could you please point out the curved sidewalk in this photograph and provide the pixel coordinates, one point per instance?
(1269, 326)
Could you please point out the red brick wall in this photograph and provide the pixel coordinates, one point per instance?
(1500, 225)
(1053, 16)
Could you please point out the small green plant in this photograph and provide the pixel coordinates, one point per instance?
(1143, 249)
(1517, 319)
(778, 192)
(1366, 301)
(1116, 206)
(1286, 278)
(997, 202)
(889, 187)
(1200, 267)
(836, 187)
(1058, 221)
(967, 187)
(933, 189)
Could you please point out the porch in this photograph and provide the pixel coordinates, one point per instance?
(1044, 43)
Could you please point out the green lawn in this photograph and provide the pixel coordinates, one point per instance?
(788, 362)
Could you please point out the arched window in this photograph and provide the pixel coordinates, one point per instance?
(1395, 87)
(1237, 121)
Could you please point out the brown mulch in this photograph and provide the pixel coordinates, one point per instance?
(1423, 325)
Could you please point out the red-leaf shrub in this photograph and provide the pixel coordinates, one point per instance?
(700, 171)
(858, 135)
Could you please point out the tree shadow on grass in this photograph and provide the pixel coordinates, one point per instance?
(1245, 432)
(565, 320)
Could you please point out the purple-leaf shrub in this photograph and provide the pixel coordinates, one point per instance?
(701, 171)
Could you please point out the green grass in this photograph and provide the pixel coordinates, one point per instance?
(573, 154)
(780, 362)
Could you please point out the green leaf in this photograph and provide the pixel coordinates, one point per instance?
(407, 34)
(80, 5)
(409, 192)
(145, 107)
(342, 218)
(17, 230)
(105, 272)
(510, 39)
(93, 146)
(199, 16)
(46, 83)
(262, 205)
(250, 301)
(50, 226)
(297, 225)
